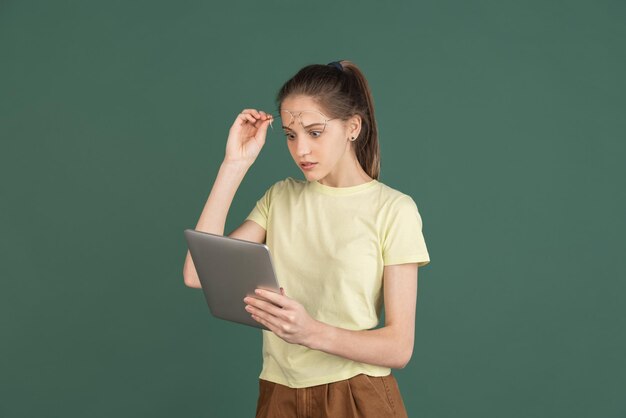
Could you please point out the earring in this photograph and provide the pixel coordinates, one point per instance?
(352, 139)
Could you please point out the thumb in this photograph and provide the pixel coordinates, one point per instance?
(262, 130)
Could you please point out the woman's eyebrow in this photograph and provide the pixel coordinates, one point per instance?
(308, 126)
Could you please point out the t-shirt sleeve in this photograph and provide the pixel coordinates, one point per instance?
(403, 241)
(261, 210)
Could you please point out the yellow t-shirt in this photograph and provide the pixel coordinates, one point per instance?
(328, 247)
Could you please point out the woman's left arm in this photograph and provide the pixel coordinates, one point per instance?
(389, 346)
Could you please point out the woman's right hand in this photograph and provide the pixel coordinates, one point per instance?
(247, 136)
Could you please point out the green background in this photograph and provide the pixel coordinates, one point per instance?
(504, 120)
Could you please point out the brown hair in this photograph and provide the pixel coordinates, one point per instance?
(341, 94)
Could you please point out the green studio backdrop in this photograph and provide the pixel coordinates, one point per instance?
(503, 120)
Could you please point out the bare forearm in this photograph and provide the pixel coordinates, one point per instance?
(213, 216)
(382, 347)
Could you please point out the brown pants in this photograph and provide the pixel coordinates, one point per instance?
(361, 396)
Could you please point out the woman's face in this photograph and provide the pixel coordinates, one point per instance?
(327, 146)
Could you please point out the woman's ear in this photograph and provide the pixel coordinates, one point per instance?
(354, 126)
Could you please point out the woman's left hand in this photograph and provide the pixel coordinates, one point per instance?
(292, 322)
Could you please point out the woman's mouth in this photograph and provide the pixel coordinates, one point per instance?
(307, 166)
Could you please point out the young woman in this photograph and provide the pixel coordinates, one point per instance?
(341, 242)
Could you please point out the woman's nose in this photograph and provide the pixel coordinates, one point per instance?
(302, 147)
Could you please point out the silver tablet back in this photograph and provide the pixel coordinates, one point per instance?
(230, 269)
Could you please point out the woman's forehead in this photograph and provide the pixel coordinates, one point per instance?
(300, 103)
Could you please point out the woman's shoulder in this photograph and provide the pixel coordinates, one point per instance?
(293, 182)
(391, 195)
(288, 184)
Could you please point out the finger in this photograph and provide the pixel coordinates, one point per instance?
(267, 325)
(252, 112)
(255, 300)
(246, 117)
(265, 306)
(259, 319)
(265, 124)
(274, 297)
(261, 313)
(263, 319)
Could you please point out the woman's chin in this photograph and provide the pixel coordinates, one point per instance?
(310, 174)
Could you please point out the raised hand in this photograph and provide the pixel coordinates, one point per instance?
(247, 136)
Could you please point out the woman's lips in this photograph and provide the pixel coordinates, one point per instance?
(308, 166)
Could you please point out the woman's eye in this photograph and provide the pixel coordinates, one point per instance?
(314, 134)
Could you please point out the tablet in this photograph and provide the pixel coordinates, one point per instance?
(230, 269)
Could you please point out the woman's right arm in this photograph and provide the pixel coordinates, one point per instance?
(213, 217)
(245, 140)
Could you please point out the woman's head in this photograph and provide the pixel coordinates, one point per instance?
(328, 115)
